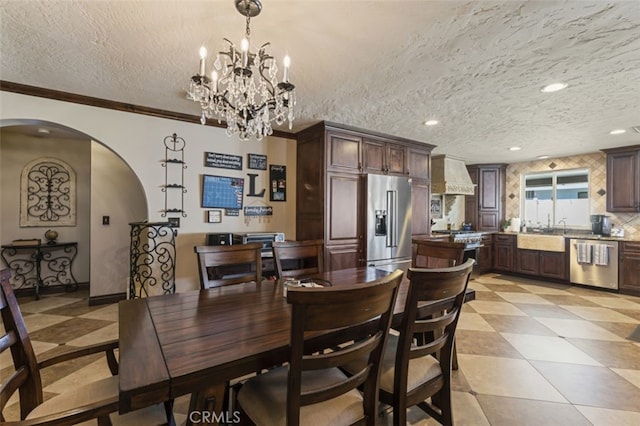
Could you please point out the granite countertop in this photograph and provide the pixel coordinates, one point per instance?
(576, 236)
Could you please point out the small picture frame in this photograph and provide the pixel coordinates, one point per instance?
(214, 216)
(436, 206)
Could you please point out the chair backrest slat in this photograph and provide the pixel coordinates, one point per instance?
(327, 309)
(298, 258)
(226, 265)
(26, 378)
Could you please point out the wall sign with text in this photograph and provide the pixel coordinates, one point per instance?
(222, 161)
(258, 211)
(278, 183)
(257, 161)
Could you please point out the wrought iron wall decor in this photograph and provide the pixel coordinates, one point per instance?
(48, 193)
(152, 259)
(174, 182)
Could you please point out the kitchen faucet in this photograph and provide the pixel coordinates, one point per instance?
(564, 225)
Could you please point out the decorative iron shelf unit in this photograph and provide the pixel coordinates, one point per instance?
(174, 156)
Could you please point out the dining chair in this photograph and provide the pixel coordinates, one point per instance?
(436, 253)
(311, 389)
(97, 400)
(225, 265)
(412, 372)
(298, 258)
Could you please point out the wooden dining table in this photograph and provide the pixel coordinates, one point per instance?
(195, 342)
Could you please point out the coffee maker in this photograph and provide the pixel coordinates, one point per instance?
(601, 224)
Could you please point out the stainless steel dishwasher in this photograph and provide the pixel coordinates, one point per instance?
(594, 262)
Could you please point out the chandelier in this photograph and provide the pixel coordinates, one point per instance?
(243, 89)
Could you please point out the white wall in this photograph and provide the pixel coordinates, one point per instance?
(138, 140)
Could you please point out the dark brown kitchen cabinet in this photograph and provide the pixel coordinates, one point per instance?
(629, 268)
(486, 208)
(343, 152)
(553, 265)
(419, 163)
(485, 254)
(548, 264)
(623, 179)
(331, 162)
(383, 157)
(420, 200)
(504, 248)
(527, 261)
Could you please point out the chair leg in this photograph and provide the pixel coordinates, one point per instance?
(104, 421)
(454, 357)
(168, 410)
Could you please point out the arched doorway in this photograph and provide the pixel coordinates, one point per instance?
(109, 197)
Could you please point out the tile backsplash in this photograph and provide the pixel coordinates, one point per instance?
(596, 163)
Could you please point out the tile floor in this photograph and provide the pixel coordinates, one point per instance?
(530, 353)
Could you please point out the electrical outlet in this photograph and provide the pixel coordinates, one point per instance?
(105, 220)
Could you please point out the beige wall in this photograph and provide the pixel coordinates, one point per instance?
(138, 140)
(115, 192)
(595, 162)
(17, 151)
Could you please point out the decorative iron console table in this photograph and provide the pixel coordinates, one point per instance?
(41, 265)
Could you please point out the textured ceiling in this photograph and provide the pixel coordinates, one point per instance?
(476, 66)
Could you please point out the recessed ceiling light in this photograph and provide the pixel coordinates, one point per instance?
(554, 87)
(515, 148)
(617, 132)
(431, 122)
(43, 131)
(542, 157)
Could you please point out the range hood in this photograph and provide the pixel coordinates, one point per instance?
(449, 176)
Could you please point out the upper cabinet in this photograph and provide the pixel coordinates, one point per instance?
(419, 163)
(344, 152)
(383, 157)
(623, 179)
(486, 208)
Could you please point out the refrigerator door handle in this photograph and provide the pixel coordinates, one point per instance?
(392, 226)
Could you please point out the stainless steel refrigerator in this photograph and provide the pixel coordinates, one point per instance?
(388, 220)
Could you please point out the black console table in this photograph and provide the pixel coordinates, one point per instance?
(41, 265)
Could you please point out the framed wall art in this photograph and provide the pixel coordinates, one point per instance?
(436, 206)
(214, 216)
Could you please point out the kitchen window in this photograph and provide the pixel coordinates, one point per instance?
(552, 197)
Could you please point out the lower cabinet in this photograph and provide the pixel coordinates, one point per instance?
(504, 247)
(553, 265)
(528, 262)
(549, 264)
(485, 254)
(629, 268)
(342, 256)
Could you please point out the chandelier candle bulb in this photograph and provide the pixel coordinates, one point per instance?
(287, 62)
(214, 79)
(244, 45)
(203, 57)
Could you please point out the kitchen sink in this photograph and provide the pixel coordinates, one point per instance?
(545, 242)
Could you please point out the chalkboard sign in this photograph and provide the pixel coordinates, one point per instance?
(222, 161)
(257, 161)
(222, 192)
(278, 179)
